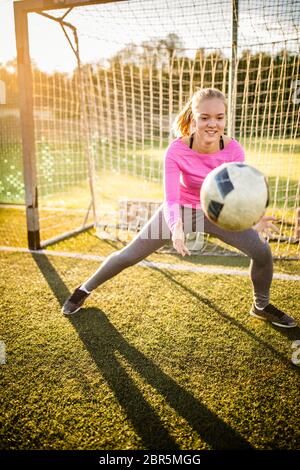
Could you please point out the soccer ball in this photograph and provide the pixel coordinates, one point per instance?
(234, 196)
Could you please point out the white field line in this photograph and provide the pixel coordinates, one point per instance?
(151, 264)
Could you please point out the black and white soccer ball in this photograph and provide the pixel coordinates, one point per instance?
(234, 196)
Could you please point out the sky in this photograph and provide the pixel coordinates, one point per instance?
(49, 48)
(202, 23)
(47, 60)
(8, 46)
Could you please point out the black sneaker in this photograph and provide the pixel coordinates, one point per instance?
(273, 315)
(74, 302)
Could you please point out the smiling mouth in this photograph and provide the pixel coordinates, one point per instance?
(211, 132)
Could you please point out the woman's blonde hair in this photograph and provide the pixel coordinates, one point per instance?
(182, 122)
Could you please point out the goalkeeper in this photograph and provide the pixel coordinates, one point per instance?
(200, 147)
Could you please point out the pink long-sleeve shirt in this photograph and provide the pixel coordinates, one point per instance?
(184, 173)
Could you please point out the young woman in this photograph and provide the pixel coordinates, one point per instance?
(200, 147)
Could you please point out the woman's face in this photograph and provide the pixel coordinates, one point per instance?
(209, 119)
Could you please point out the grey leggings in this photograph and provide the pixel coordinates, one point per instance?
(156, 234)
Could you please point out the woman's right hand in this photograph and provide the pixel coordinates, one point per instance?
(178, 239)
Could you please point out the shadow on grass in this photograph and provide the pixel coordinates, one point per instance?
(103, 340)
(291, 334)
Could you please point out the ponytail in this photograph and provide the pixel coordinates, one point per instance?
(181, 125)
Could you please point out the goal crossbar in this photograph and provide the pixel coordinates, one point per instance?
(30, 6)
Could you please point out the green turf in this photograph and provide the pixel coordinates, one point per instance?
(13, 230)
(62, 166)
(158, 359)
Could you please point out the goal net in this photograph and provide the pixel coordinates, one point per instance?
(121, 71)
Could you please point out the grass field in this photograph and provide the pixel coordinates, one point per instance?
(13, 234)
(63, 184)
(63, 166)
(157, 359)
(59, 212)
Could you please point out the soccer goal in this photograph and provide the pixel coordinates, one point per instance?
(94, 135)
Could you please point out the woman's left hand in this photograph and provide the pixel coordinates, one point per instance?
(265, 227)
